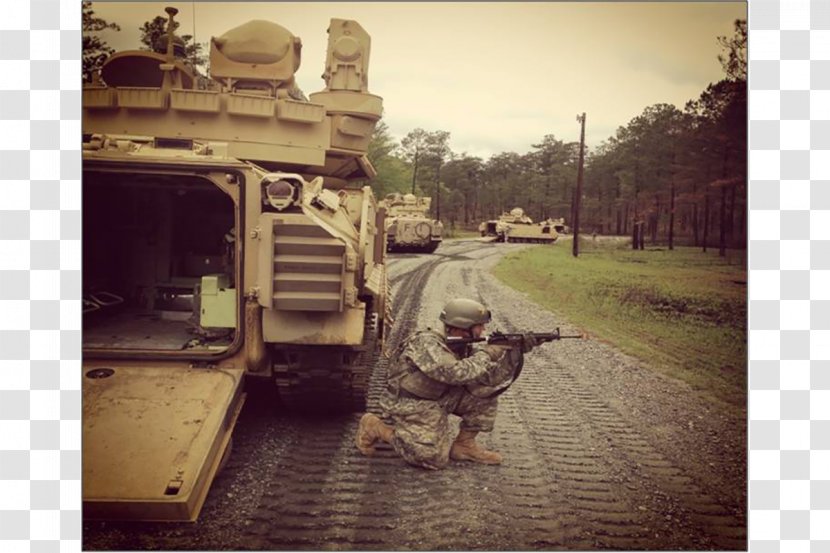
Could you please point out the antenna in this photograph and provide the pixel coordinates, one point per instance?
(195, 42)
(170, 24)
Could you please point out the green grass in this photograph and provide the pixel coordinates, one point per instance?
(682, 312)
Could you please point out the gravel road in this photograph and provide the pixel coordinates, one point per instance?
(601, 452)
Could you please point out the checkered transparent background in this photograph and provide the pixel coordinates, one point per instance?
(40, 276)
(789, 261)
(40, 279)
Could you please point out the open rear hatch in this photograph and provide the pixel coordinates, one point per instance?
(154, 438)
(160, 297)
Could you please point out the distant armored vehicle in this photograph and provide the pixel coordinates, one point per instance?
(408, 228)
(558, 225)
(223, 239)
(516, 226)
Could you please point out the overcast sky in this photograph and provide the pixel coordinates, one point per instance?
(497, 76)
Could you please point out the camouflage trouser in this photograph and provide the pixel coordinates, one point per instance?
(422, 434)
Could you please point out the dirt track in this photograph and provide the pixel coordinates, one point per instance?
(600, 453)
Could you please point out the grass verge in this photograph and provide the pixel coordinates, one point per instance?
(681, 311)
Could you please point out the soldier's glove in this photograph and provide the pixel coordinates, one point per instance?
(529, 342)
(495, 351)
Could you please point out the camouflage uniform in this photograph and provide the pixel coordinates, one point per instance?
(427, 382)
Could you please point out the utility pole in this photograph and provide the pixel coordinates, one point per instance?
(578, 195)
(438, 191)
(414, 170)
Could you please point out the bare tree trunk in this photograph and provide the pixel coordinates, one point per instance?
(705, 221)
(466, 209)
(655, 219)
(742, 227)
(635, 236)
(731, 224)
(636, 193)
(635, 218)
(620, 219)
(671, 216)
(625, 220)
(722, 250)
(609, 219)
(695, 224)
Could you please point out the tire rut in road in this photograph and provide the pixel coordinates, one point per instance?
(599, 505)
(500, 507)
(447, 252)
(507, 507)
(405, 310)
(322, 492)
(704, 520)
(633, 496)
(315, 494)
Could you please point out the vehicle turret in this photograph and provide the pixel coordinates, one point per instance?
(253, 110)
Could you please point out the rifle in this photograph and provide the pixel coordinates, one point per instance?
(502, 339)
(516, 340)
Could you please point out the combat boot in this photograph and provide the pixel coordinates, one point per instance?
(465, 448)
(370, 430)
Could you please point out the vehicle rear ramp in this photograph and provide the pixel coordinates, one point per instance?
(154, 438)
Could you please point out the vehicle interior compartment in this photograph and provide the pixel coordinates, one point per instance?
(158, 263)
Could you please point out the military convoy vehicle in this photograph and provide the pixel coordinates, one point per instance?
(558, 225)
(516, 226)
(408, 228)
(224, 244)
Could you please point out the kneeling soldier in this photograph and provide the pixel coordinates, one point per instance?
(428, 380)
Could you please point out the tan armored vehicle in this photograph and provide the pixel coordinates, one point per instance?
(516, 226)
(408, 228)
(558, 225)
(223, 239)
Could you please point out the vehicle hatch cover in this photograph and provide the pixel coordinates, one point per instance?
(153, 438)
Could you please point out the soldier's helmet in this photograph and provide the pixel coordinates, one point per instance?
(464, 313)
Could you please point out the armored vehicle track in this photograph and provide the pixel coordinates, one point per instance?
(600, 453)
(332, 385)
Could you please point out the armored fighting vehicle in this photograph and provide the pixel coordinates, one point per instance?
(408, 228)
(558, 225)
(516, 226)
(224, 244)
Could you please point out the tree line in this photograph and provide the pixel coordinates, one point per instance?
(674, 176)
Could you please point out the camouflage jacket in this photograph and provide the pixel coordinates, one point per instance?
(425, 366)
